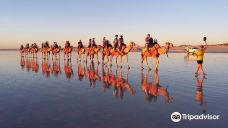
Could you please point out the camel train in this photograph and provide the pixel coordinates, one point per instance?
(91, 53)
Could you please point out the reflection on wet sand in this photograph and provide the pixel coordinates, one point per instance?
(92, 74)
(120, 84)
(46, 67)
(190, 57)
(115, 79)
(153, 89)
(29, 64)
(68, 69)
(199, 93)
(56, 70)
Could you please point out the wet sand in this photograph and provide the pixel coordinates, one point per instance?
(38, 93)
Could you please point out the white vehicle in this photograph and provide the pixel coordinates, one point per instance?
(191, 50)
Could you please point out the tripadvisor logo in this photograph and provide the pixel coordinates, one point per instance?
(177, 117)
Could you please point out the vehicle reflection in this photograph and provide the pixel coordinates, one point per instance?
(190, 57)
(199, 97)
(153, 90)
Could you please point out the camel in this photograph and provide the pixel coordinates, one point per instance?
(67, 50)
(55, 51)
(93, 51)
(26, 50)
(33, 50)
(124, 52)
(155, 52)
(80, 52)
(46, 50)
(22, 50)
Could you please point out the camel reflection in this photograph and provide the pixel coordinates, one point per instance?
(22, 62)
(68, 69)
(81, 71)
(153, 90)
(119, 83)
(199, 93)
(116, 81)
(56, 70)
(46, 67)
(92, 74)
(29, 64)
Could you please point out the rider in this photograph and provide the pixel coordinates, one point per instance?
(35, 45)
(148, 42)
(104, 42)
(94, 45)
(115, 42)
(46, 45)
(80, 44)
(27, 45)
(90, 43)
(22, 47)
(55, 45)
(121, 43)
(67, 44)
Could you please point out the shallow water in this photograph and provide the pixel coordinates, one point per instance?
(37, 93)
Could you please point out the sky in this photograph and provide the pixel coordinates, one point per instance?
(176, 21)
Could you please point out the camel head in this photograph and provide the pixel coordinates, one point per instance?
(132, 44)
(168, 45)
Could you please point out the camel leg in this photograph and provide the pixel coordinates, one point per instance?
(111, 57)
(156, 61)
(121, 61)
(147, 64)
(103, 57)
(97, 59)
(107, 60)
(77, 57)
(127, 62)
(116, 62)
(142, 60)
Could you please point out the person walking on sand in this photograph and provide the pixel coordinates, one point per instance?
(200, 54)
